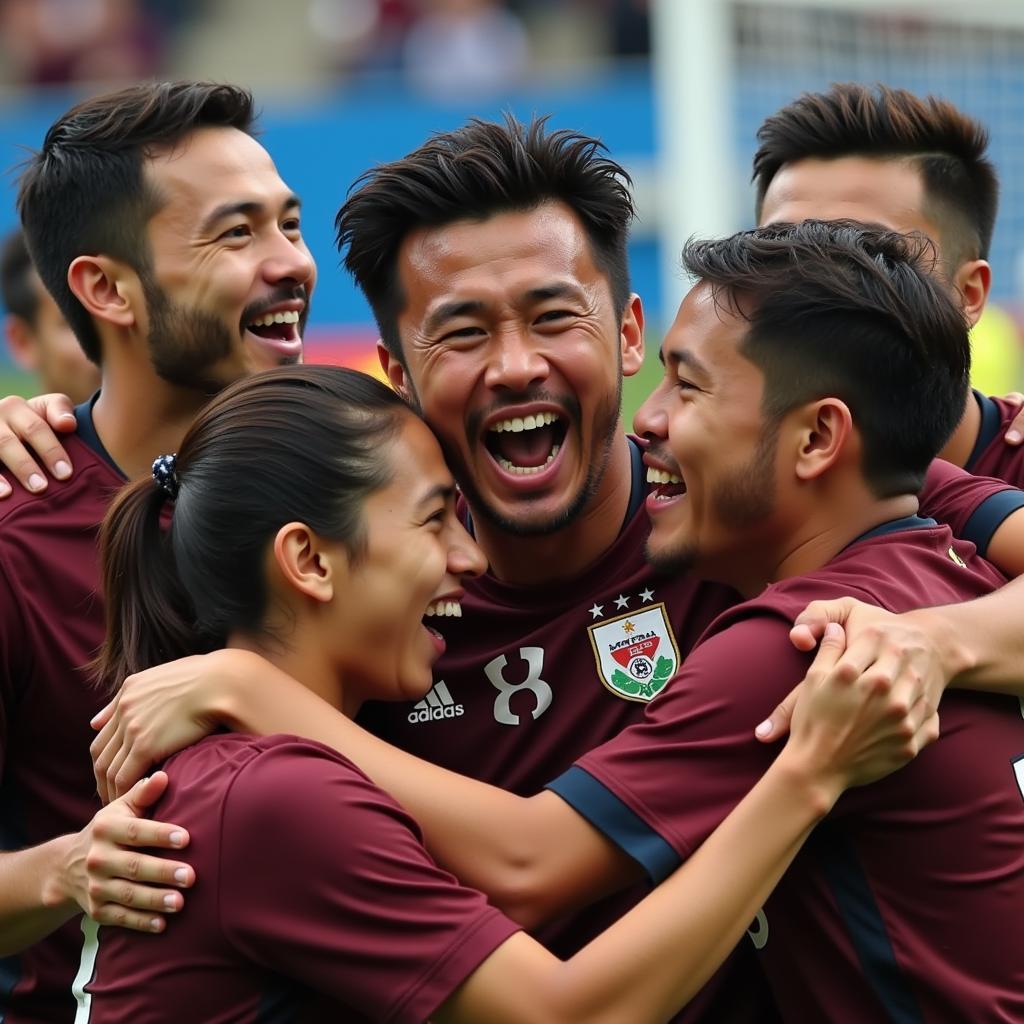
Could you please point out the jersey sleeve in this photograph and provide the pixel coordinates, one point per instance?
(663, 785)
(324, 880)
(973, 507)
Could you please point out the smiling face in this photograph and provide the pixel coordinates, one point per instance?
(416, 558)
(515, 355)
(710, 457)
(230, 279)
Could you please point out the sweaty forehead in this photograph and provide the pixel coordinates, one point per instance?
(504, 251)
(873, 191)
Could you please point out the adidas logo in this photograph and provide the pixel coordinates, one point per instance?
(436, 705)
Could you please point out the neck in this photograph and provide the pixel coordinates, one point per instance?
(959, 447)
(812, 541)
(303, 657)
(139, 416)
(565, 553)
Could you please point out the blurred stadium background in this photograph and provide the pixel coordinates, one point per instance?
(676, 89)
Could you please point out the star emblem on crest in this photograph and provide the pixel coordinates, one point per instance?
(628, 627)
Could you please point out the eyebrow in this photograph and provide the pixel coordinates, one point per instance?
(444, 491)
(246, 207)
(449, 311)
(474, 307)
(687, 358)
(554, 291)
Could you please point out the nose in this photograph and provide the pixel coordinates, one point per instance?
(651, 420)
(515, 362)
(465, 558)
(290, 260)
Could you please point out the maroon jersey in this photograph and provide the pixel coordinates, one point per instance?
(907, 904)
(314, 901)
(535, 677)
(52, 624)
(972, 506)
(992, 456)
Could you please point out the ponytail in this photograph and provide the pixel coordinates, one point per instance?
(150, 618)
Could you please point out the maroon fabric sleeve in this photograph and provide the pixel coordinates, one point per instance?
(348, 902)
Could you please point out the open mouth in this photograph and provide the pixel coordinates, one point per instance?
(526, 445)
(441, 609)
(279, 329)
(664, 485)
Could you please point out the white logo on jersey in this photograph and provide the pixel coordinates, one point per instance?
(758, 931)
(436, 705)
(495, 671)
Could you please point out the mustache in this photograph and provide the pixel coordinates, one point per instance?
(568, 403)
(279, 295)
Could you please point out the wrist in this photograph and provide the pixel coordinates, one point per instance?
(55, 891)
(957, 658)
(815, 786)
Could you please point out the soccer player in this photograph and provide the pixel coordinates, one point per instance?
(314, 522)
(885, 156)
(791, 477)
(37, 334)
(174, 250)
(494, 259)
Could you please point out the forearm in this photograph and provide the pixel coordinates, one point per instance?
(33, 901)
(981, 642)
(658, 956)
(677, 937)
(491, 839)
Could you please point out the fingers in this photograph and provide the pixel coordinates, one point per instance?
(146, 792)
(776, 725)
(1015, 432)
(100, 719)
(133, 766)
(127, 888)
(58, 410)
(22, 432)
(809, 625)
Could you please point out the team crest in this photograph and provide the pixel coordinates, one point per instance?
(636, 653)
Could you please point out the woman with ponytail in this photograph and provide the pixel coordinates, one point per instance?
(313, 523)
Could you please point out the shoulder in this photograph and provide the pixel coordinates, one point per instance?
(85, 496)
(286, 783)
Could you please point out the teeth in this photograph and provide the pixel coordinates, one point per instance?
(659, 476)
(449, 609)
(291, 317)
(518, 424)
(511, 467)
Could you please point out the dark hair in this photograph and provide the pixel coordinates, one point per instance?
(948, 148)
(296, 443)
(16, 286)
(85, 190)
(475, 172)
(839, 309)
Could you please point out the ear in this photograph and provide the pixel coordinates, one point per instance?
(19, 334)
(824, 430)
(107, 289)
(306, 563)
(631, 337)
(394, 371)
(973, 280)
